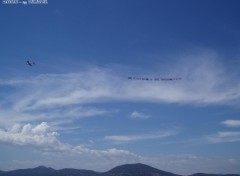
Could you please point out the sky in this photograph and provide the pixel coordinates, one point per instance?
(76, 107)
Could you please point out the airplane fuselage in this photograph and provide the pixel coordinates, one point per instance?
(30, 63)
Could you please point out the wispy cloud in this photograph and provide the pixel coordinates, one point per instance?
(140, 137)
(58, 115)
(205, 81)
(225, 136)
(231, 123)
(139, 115)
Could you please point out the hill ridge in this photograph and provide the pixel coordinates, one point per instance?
(137, 169)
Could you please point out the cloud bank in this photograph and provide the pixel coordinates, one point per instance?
(42, 138)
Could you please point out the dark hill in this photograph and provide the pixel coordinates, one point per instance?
(136, 170)
(38, 171)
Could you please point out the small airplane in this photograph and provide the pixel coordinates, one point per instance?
(30, 63)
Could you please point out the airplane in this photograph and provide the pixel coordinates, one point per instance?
(30, 63)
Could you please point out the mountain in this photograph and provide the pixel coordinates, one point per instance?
(38, 171)
(46, 171)
(123, 170)
(136, 170)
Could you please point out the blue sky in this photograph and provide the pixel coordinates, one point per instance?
(77, 108)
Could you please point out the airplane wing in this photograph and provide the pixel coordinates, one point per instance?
(29, 63)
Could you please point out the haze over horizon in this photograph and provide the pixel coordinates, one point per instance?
(76, 107)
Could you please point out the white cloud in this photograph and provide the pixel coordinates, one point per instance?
(40, 129)
(103, 153)
(37, 136)
(138, 115)
(43, 139)
(231, 123)
(139, 137)
(226, 136)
